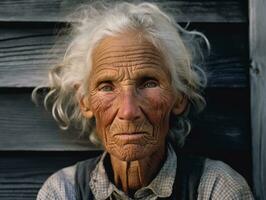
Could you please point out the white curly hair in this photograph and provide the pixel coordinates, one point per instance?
(90, 24)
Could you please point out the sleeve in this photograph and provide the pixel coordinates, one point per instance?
(59, 186)
(219, 181)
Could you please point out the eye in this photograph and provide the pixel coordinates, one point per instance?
(106, 87)
(150, 84)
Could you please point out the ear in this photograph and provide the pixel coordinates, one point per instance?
(180, 105)
(85, 107)
(83, 102)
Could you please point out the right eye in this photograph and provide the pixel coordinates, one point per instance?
(106, 87)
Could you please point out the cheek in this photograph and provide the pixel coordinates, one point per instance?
(102, 106)
(157, 104)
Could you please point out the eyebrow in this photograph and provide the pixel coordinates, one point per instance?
(105, 77)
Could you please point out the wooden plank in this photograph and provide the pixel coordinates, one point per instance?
(24, 126)
(258, 94)
(224, 124)
(56, 10)
(23, 173)
(38, 132)
(25, 54)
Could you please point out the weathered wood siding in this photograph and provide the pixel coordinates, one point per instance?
(32, 146)
(258, 94)
(55, 10)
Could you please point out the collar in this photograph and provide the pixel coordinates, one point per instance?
(161, 186)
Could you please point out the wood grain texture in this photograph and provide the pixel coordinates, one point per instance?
(25, 54)
(224, 124)
(23, 173)
(258, 94)
(56, 10)
(24, 126)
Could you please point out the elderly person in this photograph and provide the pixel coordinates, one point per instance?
(128, 78)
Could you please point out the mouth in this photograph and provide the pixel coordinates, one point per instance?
(131, 136)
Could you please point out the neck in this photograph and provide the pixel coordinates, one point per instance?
(133, 175)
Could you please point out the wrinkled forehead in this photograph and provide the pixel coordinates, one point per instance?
(126, 50)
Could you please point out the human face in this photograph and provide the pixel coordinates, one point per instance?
(131, 96)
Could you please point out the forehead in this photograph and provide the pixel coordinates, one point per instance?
(126, 50)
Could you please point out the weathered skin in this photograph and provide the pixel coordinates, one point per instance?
(131, 97)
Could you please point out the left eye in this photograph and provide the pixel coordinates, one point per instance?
(150, 84)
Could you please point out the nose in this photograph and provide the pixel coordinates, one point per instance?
(129, 108)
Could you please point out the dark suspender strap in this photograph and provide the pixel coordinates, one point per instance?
(82, 178)
(188, 174)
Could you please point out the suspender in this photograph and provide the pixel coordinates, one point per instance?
(82, 178)
(188, 174)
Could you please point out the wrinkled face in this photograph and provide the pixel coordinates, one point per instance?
(131, 97)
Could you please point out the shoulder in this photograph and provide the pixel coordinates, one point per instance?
(60, 185)
(220, 181)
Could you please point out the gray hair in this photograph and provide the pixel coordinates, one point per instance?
(91, 23)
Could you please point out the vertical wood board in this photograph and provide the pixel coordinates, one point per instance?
(258, 94)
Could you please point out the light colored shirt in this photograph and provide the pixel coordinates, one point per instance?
(218, 182)
(161, 186)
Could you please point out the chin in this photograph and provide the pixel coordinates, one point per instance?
(131, 152)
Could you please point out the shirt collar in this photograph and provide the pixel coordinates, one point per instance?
(99, 183)
(161, 185)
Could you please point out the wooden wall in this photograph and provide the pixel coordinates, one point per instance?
(31, 145)
(257, 41)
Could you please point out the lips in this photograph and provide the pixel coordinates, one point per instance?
(131, 136)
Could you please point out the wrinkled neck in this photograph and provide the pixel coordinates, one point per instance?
(133, 175)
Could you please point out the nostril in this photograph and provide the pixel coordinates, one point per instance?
(129, 111)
